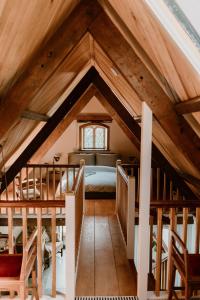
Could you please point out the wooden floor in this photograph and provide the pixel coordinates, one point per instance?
(103, 267)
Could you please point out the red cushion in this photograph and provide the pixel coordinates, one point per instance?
(10, 265)
(194, 264)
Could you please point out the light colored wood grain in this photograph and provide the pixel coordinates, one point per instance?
(158, 251)
(103, 266)
(106, 283)
(126, 275)
(53, 253)
(85, 277)
(39, 251)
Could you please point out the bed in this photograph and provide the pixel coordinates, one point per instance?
(100, 174)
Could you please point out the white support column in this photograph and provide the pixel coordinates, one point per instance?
(131, 218)
(144, 202)
(70, 246)
(117, 186)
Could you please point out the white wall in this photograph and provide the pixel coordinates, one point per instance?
(69, 141)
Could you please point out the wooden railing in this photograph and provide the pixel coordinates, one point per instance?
(125, 208)
(40, 209)
(181, 216)
(74, 219)
(38, 205)
(41, 182)
(169, 207)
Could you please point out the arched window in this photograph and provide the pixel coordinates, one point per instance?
(94, 137)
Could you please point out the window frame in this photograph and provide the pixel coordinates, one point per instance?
(81, 137)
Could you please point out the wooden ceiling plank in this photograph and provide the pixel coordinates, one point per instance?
(147, 88)
(48, 128)
(45, 63)
(189, 106)
(32, 115)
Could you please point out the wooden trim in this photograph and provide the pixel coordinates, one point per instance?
(174, 204)
(189, 106)
(81, 136)
(91, 117)
(32, 203)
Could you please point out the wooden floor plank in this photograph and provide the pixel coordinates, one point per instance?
(85, 274)
(106, 283)
(126, 273)
(103, 266)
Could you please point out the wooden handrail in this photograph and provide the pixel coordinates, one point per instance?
(32, 203)
(52, 166)
(122, 173)
(30, 241)
(175, 204)
(77, 180)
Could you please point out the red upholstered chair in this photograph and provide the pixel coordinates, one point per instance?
(16, 268)
(187, 265)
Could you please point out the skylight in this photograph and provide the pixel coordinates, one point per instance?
(181, 19)
(187, 14)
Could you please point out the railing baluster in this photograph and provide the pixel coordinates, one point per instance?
(197, 230)
(158, 251)
(53, 240)
(39, 250)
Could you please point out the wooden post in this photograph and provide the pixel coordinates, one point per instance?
(39, 250)
(159, 252)
(70, 245)
(144, 202)
(53, 240)
(118, 163)
(131, 218)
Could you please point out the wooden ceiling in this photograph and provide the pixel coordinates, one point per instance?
(48, 47)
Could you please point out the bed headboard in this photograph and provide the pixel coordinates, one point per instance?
(96, 158)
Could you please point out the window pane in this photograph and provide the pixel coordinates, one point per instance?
(88, 138)
(100, 138)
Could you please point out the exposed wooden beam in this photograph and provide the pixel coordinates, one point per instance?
(146, 87)
(48, 128)
(32, 115)
(45, 62)
(93, 77)
(93, 117)
(63, 125)
(189, 106)
(134, 129)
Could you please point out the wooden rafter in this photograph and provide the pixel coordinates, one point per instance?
(189, 106)
(32, 115)
(146, 87)
(63, 125)
(46, 62)
(48, 128)
(66, 107)
(113, 104)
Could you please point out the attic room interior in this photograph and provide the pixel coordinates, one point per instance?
(99, 149)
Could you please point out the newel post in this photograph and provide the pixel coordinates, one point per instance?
(144, 202)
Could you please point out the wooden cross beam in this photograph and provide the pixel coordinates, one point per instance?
(189, 106)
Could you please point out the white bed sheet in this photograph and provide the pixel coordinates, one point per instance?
(97, 179)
